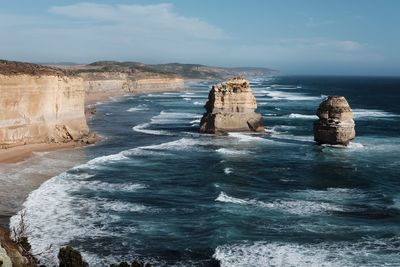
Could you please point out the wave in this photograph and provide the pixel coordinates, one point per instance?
(141, 107)
(173, 117)
(68, 216)
(247, 137)
(277, 95)
(143, 128)
(197, 103)
(111, 187)
(228, 171)
(302, 116)
(227, 151)
(297, 207)
(367, 252)
(351, 145)
(372, 113)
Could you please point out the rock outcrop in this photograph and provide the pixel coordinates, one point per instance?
(231, 108)
(335, 125)
(70, 257)
(5, 260)
(42, 108)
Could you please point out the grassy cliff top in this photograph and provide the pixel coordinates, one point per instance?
(18, 68)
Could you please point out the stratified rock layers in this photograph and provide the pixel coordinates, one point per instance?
(335, 125)
(231, 108)
(41, 109)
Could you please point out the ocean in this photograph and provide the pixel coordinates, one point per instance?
(155, 190)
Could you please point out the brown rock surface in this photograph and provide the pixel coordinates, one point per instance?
(335, 125)
(41, 109)
(231, 108)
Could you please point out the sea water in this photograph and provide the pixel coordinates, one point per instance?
(156, 190)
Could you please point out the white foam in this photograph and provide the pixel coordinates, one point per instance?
(126, 187)
(173, 117)
(180, 144)
(56, 216)
(366, 252)
(372, 113)
(228, 171)
(106, 159)
(141, 107)
(143, 128)
(197, 103)
(298, 207)
(302, 116)
(351, 145)
(242, 137)
(227, 151)
(120, 206)
(277, 95)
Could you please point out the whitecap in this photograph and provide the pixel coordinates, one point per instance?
(111, 187)
(302, 116)
(141, 107)
(328, 254)
(372, 113)
(228, 171)
(143, 128)
(173, 117)
(227, 151)
(297, 207)
(246, 137)
(277, 95)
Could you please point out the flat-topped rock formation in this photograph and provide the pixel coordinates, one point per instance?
(335, 125)
(231, 108)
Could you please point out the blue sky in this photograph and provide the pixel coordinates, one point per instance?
(358, 37)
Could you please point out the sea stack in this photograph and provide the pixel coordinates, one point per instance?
(231, 108)
(335, 125)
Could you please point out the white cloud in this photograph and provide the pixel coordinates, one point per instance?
(149, 19)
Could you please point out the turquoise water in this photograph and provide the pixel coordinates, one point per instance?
(157, 190)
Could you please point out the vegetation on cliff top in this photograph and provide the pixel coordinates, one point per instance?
(18, 68)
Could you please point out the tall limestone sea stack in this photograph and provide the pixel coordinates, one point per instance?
(335, 125)
(231, 108)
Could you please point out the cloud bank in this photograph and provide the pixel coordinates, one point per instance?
(87, 32)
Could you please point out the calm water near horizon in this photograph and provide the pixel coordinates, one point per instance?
(157, 190)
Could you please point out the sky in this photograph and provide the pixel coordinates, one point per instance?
(342, 37)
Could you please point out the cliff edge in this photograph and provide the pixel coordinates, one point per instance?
(40, 105)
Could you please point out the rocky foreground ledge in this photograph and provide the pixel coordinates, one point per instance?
(231, 108)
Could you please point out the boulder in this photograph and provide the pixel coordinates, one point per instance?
(231, 108)
(335, 125)
(70, 257)
(5, 260)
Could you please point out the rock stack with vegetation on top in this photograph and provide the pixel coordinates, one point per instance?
(335, 125)
(231, 108)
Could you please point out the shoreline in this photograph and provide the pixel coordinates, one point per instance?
(14, 159)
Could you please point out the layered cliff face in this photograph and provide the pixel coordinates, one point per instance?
(231, 108)
(119, 83)
(41, 108)
(335, 125)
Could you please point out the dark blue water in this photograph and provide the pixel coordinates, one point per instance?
(157, 190)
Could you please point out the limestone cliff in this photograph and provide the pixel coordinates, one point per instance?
(39, 106)
(120, 83)
(231, 108)
(335, 125)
